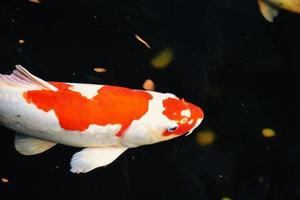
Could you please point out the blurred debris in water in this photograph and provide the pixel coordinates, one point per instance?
(35, 1)
(142, 41)
(149, 85)
(99, 69)
(205, 138)
(226, 198)
(21, 41)
(268, 132)
(4, 180)
(163, 58)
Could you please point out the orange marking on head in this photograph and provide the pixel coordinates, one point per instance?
(173, 112)
(112, 105)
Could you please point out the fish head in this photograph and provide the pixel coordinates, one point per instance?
(185, 117)
(168, 117)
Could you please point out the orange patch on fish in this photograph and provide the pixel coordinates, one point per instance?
(111, 105)
(173, 111)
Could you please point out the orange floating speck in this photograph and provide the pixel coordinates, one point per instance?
(149, 85)
(99, 69)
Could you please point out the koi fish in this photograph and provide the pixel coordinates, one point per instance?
(269, 8)
(104, 120)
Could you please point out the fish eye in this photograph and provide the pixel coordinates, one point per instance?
(172, 128)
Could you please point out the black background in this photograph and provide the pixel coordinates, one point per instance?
(242, 70)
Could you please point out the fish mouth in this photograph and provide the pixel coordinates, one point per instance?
(195, 126)
(188, 133)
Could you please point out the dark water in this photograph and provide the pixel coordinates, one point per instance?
(242, 70)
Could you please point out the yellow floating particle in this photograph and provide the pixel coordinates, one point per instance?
(226, 198)
(268, 132)
(4, 180)
(163, 59)
(21, 41)
(204, 138)
(149, 85)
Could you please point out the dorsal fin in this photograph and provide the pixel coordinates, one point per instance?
(23, 78)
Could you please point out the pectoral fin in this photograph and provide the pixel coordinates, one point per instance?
(267, 10)
(30, 146)
(91, 158)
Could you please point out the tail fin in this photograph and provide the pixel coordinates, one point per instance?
(24, 79)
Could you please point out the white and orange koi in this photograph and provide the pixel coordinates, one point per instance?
(104, 120)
